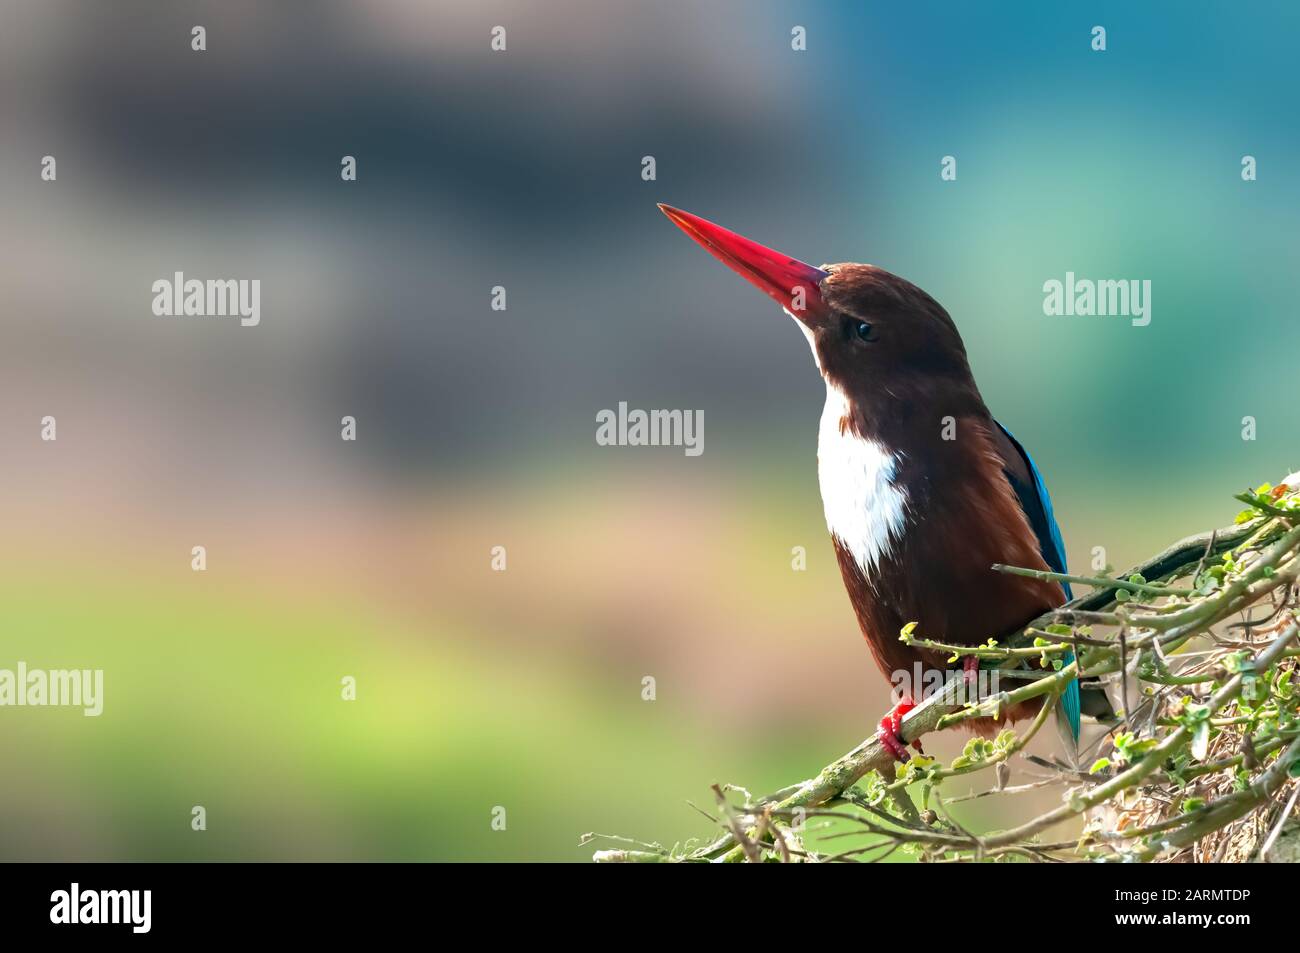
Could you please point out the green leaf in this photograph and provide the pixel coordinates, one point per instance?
(1250, 689)
(1129, 748)
(1101, 764)
(1192, 714)
(1236, 662)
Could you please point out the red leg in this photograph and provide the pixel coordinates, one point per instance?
(970, 666)
(891, 726)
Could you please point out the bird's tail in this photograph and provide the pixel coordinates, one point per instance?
(1067, 716)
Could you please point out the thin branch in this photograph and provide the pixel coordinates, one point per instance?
(1162, 757)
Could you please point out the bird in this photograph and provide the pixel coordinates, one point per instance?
(923, 490)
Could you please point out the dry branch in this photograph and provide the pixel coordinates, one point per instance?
(1212, 750)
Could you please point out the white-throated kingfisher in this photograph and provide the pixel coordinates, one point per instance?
(923, 490)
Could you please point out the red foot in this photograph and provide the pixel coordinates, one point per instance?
(891, 726)
(970, 667)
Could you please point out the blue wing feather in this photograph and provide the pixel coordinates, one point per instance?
(1053, 549)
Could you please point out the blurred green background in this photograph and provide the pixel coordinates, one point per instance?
(523, 689)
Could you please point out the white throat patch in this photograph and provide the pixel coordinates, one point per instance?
(865, 510)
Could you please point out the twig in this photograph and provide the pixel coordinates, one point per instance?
(1262, 560)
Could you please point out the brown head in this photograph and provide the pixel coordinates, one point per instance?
(877, 338)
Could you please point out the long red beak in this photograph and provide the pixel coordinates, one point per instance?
(792, 283)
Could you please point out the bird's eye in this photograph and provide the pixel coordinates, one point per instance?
(864, 331)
